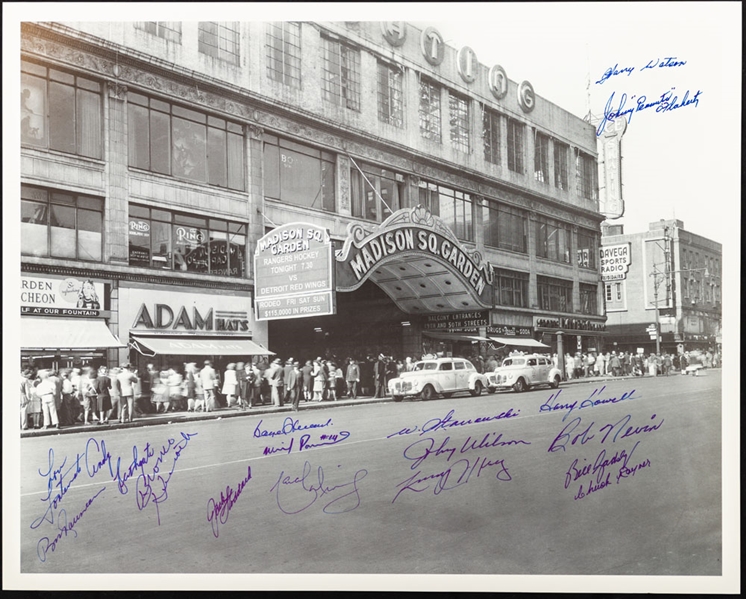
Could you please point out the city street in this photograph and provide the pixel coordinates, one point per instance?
(586, 480)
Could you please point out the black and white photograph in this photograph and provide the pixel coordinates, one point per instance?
(313, 300)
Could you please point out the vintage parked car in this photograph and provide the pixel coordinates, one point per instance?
(523, 372)
(438, 376)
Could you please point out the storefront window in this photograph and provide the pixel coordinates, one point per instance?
(511, 288)
(505, 227)
(552, 240)
(554, 294)
(188, 243)
(588, 303)
(172, 140)
(61, 225)
(587, 249)
(376, 192)
(455, 208)
(60, 111)
(298, 174)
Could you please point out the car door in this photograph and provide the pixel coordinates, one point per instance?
(462, 374)
(532, 371)
(447, 376)
(542, 372)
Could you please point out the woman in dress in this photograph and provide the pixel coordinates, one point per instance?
(230, 384)
(175, 393)
(101, 384)
(30, 402)
(319, 381)
(332, 382)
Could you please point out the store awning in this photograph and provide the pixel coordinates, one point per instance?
(520, 342)
(198, 347)
(66, 333)
(454, 336)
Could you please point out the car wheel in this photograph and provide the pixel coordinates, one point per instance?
(477, 389)
(398, 397)
(428, 393)
(555, 383)
(520, 386)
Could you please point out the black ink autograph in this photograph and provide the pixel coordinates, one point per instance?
(218, 511)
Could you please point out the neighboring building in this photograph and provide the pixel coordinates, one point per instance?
(687, 271)
(154, 155)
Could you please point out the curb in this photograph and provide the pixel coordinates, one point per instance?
(185, 417)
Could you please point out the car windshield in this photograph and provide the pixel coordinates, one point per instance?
(425, 366)
(514, 362)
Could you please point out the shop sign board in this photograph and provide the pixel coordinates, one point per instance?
(184, 313)
(458, 322)
(294, 273)
(70, 297)
(568, 324)
(506, 330)
(615, 261)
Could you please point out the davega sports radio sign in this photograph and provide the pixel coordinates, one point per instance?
(615, 261)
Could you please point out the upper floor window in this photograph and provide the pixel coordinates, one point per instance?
(430, 127)
(220, 40)
(283, 52)
(554, 294)
(614, 295)
(61, 224)
(511, 288)
(341, 72)
(515, 146)
(60, 111)
(455, 208)
(376, 192)
(459, 109)
(187, 242)
(505, 227)
(541, 157)
(390, 95)
(552, 240)
(587, 248)
(491, 136)
(587, 174)
(560, 165)
(168, 30)
(168, 139)
(588, 303)
(298, 174)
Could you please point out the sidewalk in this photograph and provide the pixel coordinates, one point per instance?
(173, 417)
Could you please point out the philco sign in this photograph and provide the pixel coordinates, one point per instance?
(615, 261)
(184, 313)
(410, 231)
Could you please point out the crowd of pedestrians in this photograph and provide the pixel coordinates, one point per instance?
(88, 395)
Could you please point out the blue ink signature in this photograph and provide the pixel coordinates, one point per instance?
(94, 458)
(665, 103)
(289, 426)
(585, 436)
(612, 71)
(586, 403)
(667, 62)
(144, 485)
(218, 511)
(313, 490)
(670, 61)
(461, 470)
(436, 424)
(422, 449)
(44, 545)
(599, 469)
(305, 443)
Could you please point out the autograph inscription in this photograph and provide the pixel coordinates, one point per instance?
(289, 426)
(666, 102)
(44, 545)
(669, 61)
(594, 399)
(218, 511)
(448, 421)
(308, 442)
(585, 436)
(301, 492)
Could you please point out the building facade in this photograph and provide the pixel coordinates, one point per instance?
(155, 155)
(668, 266)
